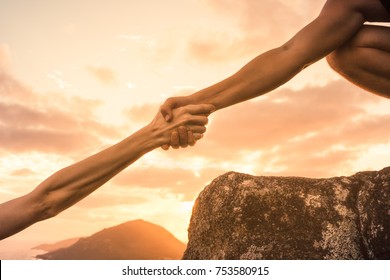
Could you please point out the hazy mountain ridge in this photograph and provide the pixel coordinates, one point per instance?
(133, 240)
(57, 245)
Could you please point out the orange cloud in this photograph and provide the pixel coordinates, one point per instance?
(35, 122)
(142, 114)
(257, 27)
(177, 180)
(22, 172)
(103, 74)
(288, 114)
(12, 90)
(101, 199)
(23, 140)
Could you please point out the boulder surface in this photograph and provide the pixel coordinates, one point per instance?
(239, 216)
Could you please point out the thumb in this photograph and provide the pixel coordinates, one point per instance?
(166, 112)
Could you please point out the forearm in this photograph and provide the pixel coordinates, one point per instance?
(263, 74)
(71, 184)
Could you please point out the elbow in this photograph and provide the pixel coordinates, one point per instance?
(44, 208)
(296, 55)
(48, 211)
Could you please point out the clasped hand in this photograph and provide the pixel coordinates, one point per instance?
(184, 135)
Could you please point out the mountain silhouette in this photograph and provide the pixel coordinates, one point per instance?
(58, 245)
(133, 240)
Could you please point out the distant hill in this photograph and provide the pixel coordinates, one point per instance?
(58, 245)
(133, 240)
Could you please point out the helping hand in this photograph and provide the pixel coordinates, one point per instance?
(185, 135)
(172, 103)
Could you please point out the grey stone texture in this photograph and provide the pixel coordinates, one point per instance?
(239, 216)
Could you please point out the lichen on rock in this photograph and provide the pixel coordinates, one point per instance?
(239, 216)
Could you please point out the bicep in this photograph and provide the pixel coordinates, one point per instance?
(336, 24)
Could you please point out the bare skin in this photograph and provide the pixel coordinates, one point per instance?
(71, 184)
(359, 52)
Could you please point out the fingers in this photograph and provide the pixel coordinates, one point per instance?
(166, 110)
(197, 129)
(178, 106)
(190, 121)
(196, 120)
(198, 136)
(200, 109)
(183, 136)
(172, 103)
(192, 114)
(175, 140)
(191, 138)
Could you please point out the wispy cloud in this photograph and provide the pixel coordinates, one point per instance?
(30, 121)
(143, 113)
(22, 172)
(58, 78)
(253, 27)
(105, 75)
(184, 182)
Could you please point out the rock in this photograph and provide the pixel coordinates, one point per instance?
(240, 216)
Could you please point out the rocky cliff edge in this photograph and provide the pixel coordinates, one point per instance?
(240, 216)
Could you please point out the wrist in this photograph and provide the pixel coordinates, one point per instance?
(194, 98)
(206, 96)
(139, 143)
(151, 137)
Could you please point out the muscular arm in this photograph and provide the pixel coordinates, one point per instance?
(337, 22)
(73, 183)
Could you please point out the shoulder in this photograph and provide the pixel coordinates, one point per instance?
(370, 10)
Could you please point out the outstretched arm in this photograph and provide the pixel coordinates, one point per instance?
(73, 183)
(337, 22)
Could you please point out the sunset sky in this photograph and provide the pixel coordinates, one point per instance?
(77, 76)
